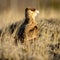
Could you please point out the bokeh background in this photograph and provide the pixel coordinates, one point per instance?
(13, 10)
(46, 46)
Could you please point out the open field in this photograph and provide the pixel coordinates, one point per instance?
(46, 47)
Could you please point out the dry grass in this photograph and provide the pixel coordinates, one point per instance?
(46, 47)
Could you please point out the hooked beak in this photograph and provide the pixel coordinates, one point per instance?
(37, 11)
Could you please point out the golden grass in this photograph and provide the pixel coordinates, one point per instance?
(46, 47)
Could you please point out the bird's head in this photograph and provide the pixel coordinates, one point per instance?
(31, 13)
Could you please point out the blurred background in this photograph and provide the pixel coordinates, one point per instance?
(13, 10)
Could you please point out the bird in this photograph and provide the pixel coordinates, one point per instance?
(29, 28)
